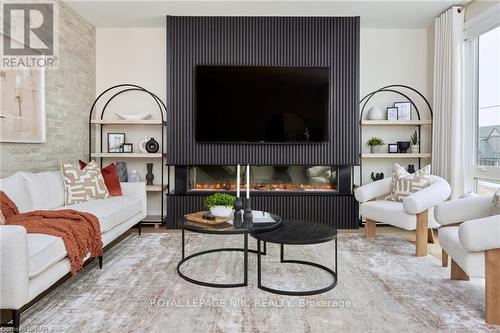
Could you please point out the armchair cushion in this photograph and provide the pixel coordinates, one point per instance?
(404, 183)
(481, 234)
(437, 192)
(461, 210)
(471, 262)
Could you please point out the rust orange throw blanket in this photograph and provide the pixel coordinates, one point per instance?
(79, 231)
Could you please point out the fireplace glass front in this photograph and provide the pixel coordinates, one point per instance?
(262, 178)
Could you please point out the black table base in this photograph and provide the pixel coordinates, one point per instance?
(245, 251)
(333, 273)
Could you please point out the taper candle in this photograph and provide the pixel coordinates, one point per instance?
(248, 181)
(238, 181)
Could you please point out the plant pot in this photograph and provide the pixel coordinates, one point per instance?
(414, 149)
(380, 149)
(221, 211)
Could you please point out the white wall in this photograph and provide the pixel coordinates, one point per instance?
(137, 56)
(394, 56)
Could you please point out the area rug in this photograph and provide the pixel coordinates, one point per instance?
(382, 288)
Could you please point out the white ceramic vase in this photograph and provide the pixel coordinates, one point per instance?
(142, 145)
(414, 149)
(221, 211)
(376, 113)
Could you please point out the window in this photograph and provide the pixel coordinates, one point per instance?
(482, 101)
(488, 141)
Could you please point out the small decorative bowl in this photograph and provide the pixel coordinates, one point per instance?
(221, 211)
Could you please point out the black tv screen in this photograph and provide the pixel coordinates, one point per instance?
(262, 104)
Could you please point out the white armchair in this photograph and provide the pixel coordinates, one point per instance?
(474, 246)
(414, 213)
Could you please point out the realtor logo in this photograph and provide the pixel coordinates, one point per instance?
(30, 23)
(29, 35)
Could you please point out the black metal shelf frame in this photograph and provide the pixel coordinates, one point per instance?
(393, 88)
(116, 91)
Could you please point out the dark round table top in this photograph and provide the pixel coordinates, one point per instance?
(298, 233)
(263, 221)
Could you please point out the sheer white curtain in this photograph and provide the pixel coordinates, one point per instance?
(448, 125)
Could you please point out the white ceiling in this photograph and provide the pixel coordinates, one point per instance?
(374, 14)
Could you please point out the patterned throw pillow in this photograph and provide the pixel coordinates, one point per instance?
(495, 204)
(404, 183)
(83, 185)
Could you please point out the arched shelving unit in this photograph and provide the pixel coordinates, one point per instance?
(96, 118)
(403, 91)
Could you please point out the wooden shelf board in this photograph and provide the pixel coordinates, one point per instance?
(152, 218)
(126, 122)
(155, 188)
(396, 156)
(127, 155)
(395, 122)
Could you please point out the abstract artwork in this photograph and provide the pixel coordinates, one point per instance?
(22, 106)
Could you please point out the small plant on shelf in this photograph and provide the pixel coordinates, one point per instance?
(376, 145)
(415, 143)
(220, 204)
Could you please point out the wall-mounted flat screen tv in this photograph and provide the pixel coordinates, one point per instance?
(250, 104)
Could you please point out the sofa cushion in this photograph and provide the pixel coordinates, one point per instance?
(111, 211)
(393, 213)
(46, 189)
(15, 187)
(43, 252)
(83, 185)
(471, 262)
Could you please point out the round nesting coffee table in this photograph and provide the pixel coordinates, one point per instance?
(298, 233)
(263, 222)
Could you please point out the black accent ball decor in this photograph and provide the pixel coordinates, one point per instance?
(152, 146)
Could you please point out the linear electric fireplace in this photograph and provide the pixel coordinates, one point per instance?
(290, 179)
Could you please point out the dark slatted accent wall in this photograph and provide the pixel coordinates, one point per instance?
(264, 41)
(339, 211)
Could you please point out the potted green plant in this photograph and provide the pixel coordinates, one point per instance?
(220, 204)
(377, 145)
(415, 143)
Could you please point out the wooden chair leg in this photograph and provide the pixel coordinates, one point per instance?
(444, 258)
(421, 234)
(492, 290)
(430, 236)
(457, 272)
(370, 229)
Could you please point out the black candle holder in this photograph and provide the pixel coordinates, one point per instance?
(238, 206)
(247, 215)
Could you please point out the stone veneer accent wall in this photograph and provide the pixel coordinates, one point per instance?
(69, 93)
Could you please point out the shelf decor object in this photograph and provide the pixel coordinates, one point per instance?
(402, 108)
(96, 118)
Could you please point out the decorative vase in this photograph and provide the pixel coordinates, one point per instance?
(134, 177)
(221, 211)
(152, 146)
(142, 145)
(121, 170)
(380, 149)
(149, 175)
(415, 149)
(403, 146)
(377, 176)
(375, 113)
(411, 168)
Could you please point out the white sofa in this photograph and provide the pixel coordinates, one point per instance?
(31, 263)
(471, 237)
(414, 213)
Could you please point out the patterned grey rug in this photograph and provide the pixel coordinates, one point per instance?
(382, 288)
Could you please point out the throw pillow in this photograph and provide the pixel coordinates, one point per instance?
(83, 185)
(495, 204)
(2, 218)
(111, 179)
(404, 183)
